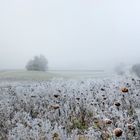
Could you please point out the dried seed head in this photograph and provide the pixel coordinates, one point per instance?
(118, 132)
(56, 136)
(117, 103)
(131, 127)
(56, 95)
(108, 121)
(124, 90)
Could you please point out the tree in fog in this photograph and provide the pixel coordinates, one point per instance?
(38, 63)
(136, 69)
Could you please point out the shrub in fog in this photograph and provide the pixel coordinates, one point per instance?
(38, 63)
(136, 69)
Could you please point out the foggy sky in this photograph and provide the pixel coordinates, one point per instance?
(70, 33)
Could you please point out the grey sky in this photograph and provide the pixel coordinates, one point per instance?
(70, 33)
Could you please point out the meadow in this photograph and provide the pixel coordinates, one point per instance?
(49, 106)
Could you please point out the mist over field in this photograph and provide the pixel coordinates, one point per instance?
(76, 34)
(69, 70)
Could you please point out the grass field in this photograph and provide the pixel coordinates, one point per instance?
(61, 109)
(51, 74)
(26, 75)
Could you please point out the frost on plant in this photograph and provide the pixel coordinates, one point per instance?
(70, 110)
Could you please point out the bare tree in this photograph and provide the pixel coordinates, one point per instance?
(38, 63)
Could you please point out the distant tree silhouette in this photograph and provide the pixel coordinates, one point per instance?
(38, 63)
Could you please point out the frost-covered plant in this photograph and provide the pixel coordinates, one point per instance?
(70, 109)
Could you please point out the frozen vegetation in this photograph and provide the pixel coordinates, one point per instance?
(106, 109)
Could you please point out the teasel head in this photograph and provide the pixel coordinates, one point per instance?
(118, 132)
(117, 103)
(124, 90)
(107, 121)
(131, 127)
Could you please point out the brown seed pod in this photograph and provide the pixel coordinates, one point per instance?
(96, 120)
(107, 121)
(55, 136)
(117, 104)
(118, 132)
(124, 90)
(131, 127)
(56, 95)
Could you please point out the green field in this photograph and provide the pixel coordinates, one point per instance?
(27, 75)
(36, 75)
